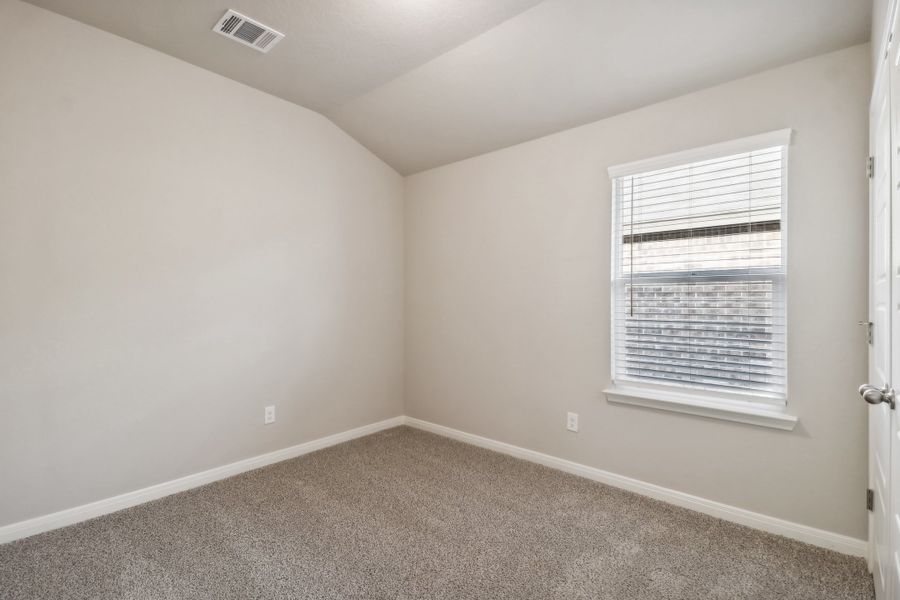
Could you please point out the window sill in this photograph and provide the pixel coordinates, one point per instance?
(728, 410)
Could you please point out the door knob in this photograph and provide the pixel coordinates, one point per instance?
(874, 395)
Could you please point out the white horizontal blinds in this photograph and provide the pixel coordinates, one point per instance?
(699, 275)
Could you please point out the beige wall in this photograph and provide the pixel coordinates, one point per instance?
(176, 252)
(508, 297)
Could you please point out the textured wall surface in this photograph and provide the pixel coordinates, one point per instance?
(508, 297)
(177, 251)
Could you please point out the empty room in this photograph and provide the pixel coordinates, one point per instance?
(449, 299)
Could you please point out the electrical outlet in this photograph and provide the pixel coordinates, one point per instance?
(572, 422)
(270, 415)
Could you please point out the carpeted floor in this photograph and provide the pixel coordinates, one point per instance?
(406, 514)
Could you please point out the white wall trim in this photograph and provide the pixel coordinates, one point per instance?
(803, 533)
(753, 413)
(781, 137)
(796, 531)
(70, 516)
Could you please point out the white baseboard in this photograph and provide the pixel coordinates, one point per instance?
(71, 516)
(803, 533)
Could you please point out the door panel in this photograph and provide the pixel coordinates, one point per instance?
(884, 569)
(894, 275)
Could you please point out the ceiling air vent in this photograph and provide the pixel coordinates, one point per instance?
(251, 33)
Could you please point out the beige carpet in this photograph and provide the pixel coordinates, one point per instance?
(406, 514)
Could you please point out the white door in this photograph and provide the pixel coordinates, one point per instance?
(894, 274)
(884, 569)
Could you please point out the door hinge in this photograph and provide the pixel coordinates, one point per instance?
(870, 499)
(870, 168)
(868, 325)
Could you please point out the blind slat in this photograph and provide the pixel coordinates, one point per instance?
(699, 275)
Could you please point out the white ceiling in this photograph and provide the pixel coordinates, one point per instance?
(427, 82)
(334, 50)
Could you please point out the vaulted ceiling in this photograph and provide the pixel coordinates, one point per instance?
(426, 82)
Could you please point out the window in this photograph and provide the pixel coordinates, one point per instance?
(699, 272)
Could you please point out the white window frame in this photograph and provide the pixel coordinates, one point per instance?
(755, 409)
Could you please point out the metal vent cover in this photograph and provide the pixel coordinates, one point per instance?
(248, 32)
